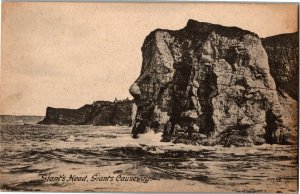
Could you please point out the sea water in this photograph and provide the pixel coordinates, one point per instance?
(106, 158)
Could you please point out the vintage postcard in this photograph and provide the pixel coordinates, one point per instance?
(149, 97)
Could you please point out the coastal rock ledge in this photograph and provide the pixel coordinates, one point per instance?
(207, 84)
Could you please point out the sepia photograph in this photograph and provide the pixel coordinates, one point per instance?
(149, 97)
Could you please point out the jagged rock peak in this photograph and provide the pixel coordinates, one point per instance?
(194, 26)
(231, 31)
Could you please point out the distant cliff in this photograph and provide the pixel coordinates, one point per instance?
(210, 84)
(283, 56)
(98, 113)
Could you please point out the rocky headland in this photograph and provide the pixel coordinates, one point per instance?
(209, 84)
(98, 113)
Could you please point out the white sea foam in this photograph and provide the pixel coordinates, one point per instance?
(71, 138)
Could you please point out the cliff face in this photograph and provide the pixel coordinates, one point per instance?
(111, 113)
(209, 84)
(283, 55)
(63, 116)
(99, 113)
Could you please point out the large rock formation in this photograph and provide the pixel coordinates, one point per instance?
(283, 55)
(209, 84)
(99, 113)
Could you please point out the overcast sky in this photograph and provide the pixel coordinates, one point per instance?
(71, 54)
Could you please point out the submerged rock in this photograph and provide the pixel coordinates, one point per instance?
(99, 113)
(209, 84)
